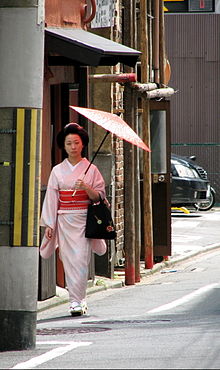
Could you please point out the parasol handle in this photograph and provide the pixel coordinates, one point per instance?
(96, 152)
(93, 159)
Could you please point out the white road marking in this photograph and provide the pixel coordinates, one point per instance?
(56, 352)
(185, 299)
(182, 224)
(186, 238)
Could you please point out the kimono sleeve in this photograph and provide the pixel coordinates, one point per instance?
(50, 203)
(98, 182)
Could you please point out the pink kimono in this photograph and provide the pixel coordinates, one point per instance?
(69, 225)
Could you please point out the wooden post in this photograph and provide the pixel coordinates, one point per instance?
(137, 203)
(129, 204)
(147, 190)
(137, 200)
(129, 234)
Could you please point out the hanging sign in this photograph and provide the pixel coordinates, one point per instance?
(104, 14)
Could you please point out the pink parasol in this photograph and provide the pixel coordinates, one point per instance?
(112, 123)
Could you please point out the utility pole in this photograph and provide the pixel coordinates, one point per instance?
(21, 91)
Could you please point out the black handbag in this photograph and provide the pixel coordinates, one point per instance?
(99, 223)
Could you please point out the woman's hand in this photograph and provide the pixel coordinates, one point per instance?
(93, 194)
(80, 184)
(48, 232)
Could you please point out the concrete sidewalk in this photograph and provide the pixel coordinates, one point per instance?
(192, 234)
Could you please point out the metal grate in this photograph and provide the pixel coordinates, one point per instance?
(202, 173)
(67, 331)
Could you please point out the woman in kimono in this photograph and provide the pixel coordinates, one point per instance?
(64, 213)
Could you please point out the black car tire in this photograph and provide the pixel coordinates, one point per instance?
(207, 205)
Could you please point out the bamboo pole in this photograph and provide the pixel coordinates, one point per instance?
(159, 93)
(148, 91)
(143, 87)
(117, 77)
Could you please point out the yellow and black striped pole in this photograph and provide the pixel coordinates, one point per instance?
(27, 177)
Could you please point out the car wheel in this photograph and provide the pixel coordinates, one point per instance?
(208, 204)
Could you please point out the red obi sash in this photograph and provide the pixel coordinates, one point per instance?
(80, 200)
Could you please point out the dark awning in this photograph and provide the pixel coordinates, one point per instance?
(85, 48)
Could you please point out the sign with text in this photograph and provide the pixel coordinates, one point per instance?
(104, 14)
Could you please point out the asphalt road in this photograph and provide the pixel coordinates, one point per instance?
(171, 320)
(195, 232)
(168, 321)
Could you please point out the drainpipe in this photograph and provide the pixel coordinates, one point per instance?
(156, 15)
(21, 90)
(162, 45)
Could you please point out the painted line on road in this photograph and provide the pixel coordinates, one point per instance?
(186, 224)
(185, 299)
(186, 238)
(56, 352)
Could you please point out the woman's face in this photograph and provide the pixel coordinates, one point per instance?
(73, 145)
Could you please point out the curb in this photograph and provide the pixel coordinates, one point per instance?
(174, 260)
(101, 283)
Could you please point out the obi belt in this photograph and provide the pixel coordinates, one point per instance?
(80, 200)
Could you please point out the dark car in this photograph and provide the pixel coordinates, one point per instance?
(209, 202)
(190, 185)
